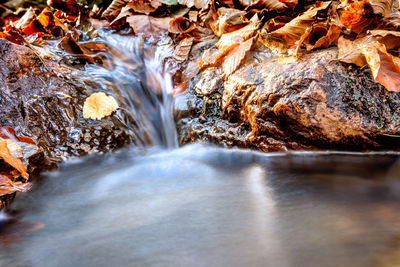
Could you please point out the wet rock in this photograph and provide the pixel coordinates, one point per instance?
(46, 105)
(313, 103)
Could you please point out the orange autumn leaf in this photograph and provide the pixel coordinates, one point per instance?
(98, 106)
(357, 16)
(7, 186)
(384, 67)
(10, 159)
(236, 57)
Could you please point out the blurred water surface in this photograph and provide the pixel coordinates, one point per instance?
(207, 206)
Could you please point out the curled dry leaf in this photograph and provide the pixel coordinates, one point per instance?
(294, 30)
(320, 35)
(181, 25)
(6, 155)
(235, 58)
(182, 50)
(98, 106)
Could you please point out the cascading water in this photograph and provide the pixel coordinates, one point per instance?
(141, 75)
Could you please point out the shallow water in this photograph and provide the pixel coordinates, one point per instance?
(205, 206)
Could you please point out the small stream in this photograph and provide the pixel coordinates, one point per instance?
(200, 205)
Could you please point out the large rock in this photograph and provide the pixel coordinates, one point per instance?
(46, 106)
(272, 104)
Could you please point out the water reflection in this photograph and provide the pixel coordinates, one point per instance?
(211, 207)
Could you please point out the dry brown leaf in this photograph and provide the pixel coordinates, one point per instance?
(14, 162)
(181, 25)
(26, 19)
(144, 6)
(293, 30)
(114, 8)
(239, 36)
(229, 19)
(200, 4)
(383, 66)
(384, 7)
(267, 4)
(182, 50)
(391, 22)
(7, 186)
(148, 26)
(98, 106)
(349, 51)
(235, 58)
(213, 57)
(320, 35)
(391, 39)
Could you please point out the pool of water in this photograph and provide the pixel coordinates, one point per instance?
(207, 206)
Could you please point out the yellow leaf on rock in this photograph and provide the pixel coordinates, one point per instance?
(98, 106)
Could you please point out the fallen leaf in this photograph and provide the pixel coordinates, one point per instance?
(235, 58)
(114, 8)
(384, 7)
(238, 36)
(349, 51)
(319, 35)
(213, 57)
(144, 6)
(8, 186)
(391, 39)
(292, 31)
(267, 4)
(182, 50)
(8, 158)
(70, 45)
(384, 68)
(148, 26)
(98, 106)
(200, 4)
(70, 7)
(181, 25)
(229, 19)
(26, 19)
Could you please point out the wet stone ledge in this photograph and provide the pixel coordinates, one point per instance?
(312, 103)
